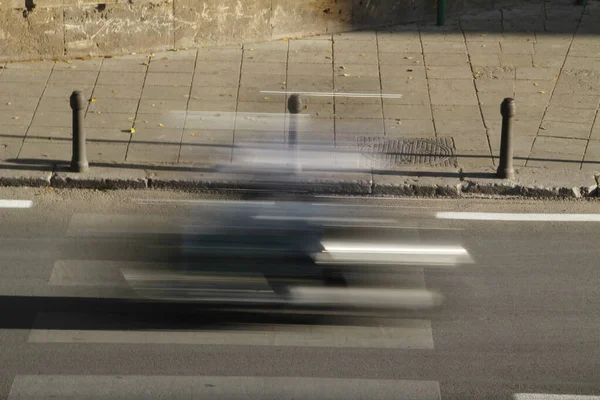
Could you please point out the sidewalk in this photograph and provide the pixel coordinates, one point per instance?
(167, 112)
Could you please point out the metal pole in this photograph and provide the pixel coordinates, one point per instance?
(505, 168)
(79, 162)
(294, 108)
(442, 7)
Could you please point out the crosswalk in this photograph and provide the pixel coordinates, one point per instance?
(112, 327)
(116, 329)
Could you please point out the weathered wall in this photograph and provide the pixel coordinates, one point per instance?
(38, 29)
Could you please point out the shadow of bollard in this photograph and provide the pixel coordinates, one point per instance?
(505, 167)
(294, 108)
(442, 7)
(79, 162)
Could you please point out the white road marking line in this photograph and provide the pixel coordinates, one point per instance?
(111, 224)
(547, 396)
(16, 203)
(217, 387)
(411, 334)
(371, 298)
(203, 202)
(322, 219)
(87, 273)
(483, 216)
(364, 205)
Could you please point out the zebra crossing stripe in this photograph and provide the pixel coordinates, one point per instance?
(109, 328)
(217, 387)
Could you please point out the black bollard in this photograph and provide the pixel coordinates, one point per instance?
(505, 167)
(79, 162)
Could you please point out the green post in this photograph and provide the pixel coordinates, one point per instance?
(442, 6)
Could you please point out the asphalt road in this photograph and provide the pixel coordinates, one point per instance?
(523, 319)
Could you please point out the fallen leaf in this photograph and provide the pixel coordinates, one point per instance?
(145, 63)
(285, 38)
(99, 112)
(194, 134)
(153, 105)
(266, 98)
(399, 122)
(282, 83)
(341, 67)
(93, 99)
(9, 103)
(145, 121)
(410, 78)
(114, 91)
(132, 130)
(535, 84)
(161, 125)
(428, 69)
(408, 58)
(362, 54)
(16, 117)
(542, 92)
(346, 75)
(542, 128)
(317, 114)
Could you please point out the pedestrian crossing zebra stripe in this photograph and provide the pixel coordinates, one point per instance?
(109, 328)
(217, 387)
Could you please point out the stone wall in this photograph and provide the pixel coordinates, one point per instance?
(55, 29)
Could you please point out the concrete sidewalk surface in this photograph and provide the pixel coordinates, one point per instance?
(410, 103)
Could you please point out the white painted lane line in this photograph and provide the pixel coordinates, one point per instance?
(323, 219)
(203, 202)
(411, 334)
(548, 396)
(87, 273)
(16, 203)
(216, 387)
(111, 224)
(482, 216)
